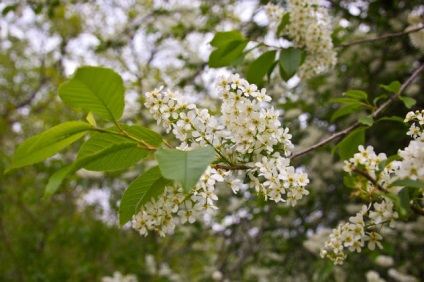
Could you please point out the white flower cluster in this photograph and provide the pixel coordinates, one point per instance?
(411, 166)
(416, 20)
(119, 277)
(366, 162)
(354, 234)
(310, 28)
(159, 214)
(249, 140)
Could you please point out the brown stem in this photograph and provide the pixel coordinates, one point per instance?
(385, 36)
(370, 178)
(357, 124)
(233, 167)
(417, 209)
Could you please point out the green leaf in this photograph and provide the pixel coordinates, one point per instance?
(56, 180)
(145, 187)
(387, 161)
(393, 118)
(383, 96)
(356, 94)
(290, 59)
(7, 9)
(366, 120)
(402, 203)
(408, 101)
(222, 39)
(284, 22)
(349, 145)
(91, 120)
(256, 71)
(227, 54)
(95, 89)
(347, 101)
(185, 166)
(143, 133)
(106, 151)
(394, 86)
(345, 110)
(48, 143)
(408, 183)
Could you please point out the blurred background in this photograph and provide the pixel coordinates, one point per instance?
(74, 235)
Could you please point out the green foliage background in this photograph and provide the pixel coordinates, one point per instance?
(57, 240)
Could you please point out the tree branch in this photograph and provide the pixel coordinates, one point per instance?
(385, 36)
(357, 124)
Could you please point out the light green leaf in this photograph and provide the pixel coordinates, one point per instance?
(227, 54)
(46, 144)
(145, 187)
(290, 59)
(106, 151)
(366, 120)
(56, 180)
(185, 166)
(223, 38)
(394, 86)
(349, 145)
(256, 71)
(95, 89)
(356, 94)
(91, 120)
(143, 133)
(408, 101)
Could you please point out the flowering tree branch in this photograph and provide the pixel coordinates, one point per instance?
(385, 36)
(370, 178)
(381, 108)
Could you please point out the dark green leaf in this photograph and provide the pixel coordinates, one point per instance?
(408, 183)
(222, 39)
(48, 143)
(256, 71)
(357, 94)
(8, 9)
(408, 101)
(347, 101)
(394, 86)
(95, 89)
(227, 54)
(349, 145)
(284, 22)
(290, 59)
(383, 96)
(345, 110)
(145, 187)
(393, 118)
(185, 166)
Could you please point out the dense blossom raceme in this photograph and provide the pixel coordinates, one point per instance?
(250, 143)
(309, 27)
(416, 20)
(372, 177)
